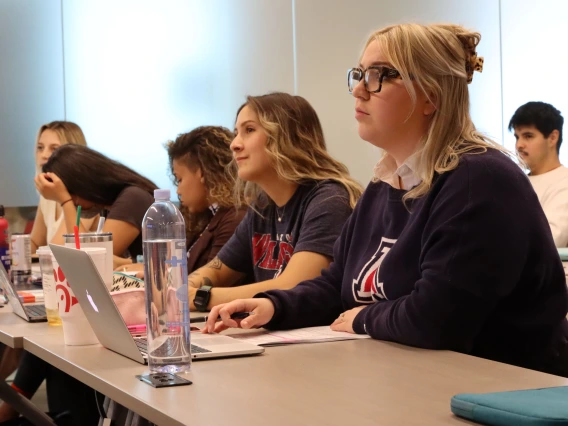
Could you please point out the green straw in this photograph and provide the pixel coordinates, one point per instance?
(78, 215)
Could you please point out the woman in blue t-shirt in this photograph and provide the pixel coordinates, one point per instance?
(299, 198)
(448, 247)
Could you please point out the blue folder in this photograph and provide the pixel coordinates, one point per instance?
(535, 407)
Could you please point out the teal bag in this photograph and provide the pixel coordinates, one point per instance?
(535, 407)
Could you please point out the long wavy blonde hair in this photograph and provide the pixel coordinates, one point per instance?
(438, 60)
(295, 145)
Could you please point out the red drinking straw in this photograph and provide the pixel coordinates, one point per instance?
(76, 228)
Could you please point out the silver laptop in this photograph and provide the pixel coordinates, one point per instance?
(32, 312)
(108, 325)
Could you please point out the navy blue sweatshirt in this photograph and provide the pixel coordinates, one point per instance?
(472, 267)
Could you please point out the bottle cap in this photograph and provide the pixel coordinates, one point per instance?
(162, 194)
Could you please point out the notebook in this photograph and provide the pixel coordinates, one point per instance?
(107, 323)
(32, 312)
(534, 407)
(299, 335)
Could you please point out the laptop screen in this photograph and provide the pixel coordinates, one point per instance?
(6, 284)
(10, 293)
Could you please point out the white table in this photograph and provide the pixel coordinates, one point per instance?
(363, 382)
(12, 332)
(13, 328)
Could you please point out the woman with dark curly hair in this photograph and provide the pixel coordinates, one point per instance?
(202, 168)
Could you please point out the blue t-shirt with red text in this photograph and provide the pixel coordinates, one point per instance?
(311, 220)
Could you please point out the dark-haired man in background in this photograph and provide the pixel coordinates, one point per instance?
(538, 131)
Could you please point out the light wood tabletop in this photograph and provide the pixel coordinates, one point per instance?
(364, 382)
(13, 328)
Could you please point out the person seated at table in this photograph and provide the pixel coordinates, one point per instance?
(79, 176)
(48, 224)
(299, 198)
(448, 248)
(538, 131)
(75, 176)
(201, 165)
(203, 171)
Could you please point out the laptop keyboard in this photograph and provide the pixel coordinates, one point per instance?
(169, 348)
(35, 311)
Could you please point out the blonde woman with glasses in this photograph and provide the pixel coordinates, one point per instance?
(448, 248)
(299, 197)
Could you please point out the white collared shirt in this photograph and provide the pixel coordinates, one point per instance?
(386, 171)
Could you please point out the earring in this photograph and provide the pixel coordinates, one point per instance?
(202, 180)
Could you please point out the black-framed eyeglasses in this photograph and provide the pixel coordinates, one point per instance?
(372, 77)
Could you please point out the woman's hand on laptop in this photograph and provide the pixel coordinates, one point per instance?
(261, 312)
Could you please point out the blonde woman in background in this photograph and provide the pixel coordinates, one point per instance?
(299, 197)
(48, 225)
(448, 247)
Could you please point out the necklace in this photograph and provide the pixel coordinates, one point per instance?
(214, 209)
(280, 216)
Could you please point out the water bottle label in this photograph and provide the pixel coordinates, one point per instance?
(169, 336)
(182, 293)
(174, 261)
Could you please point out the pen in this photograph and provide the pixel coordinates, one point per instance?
(235, 316)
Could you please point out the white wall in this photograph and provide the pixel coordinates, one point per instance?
(31, 90)
(330, 35)
(150, 70)
(137, 73)
(535, 59)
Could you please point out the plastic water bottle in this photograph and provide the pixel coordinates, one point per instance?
(165, 277)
